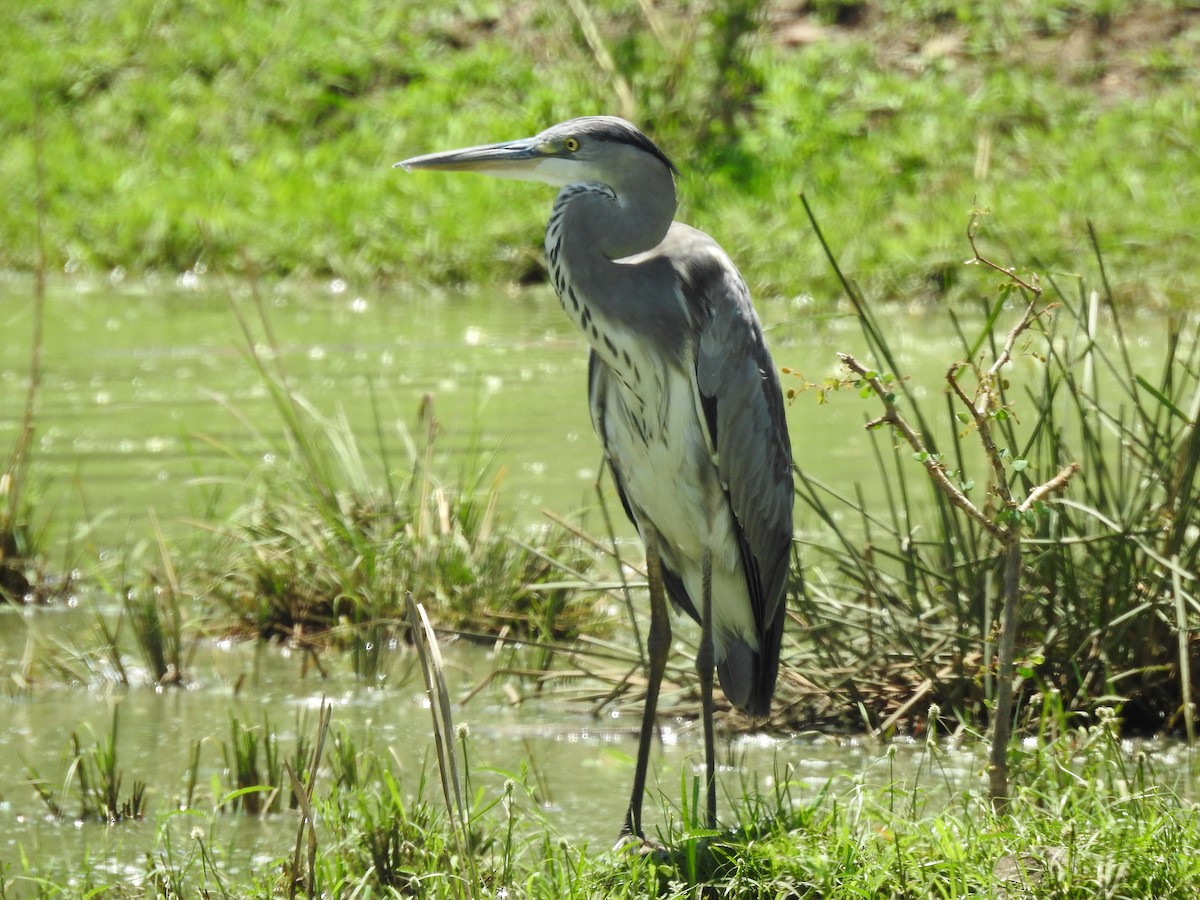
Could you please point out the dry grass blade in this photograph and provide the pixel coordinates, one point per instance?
(1185, 669)
(430, 655)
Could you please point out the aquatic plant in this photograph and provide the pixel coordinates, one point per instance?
(94, 770)
(331, 543)
(903, 602)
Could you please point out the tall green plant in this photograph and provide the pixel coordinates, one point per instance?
(915, 592)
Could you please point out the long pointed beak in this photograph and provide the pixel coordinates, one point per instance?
(512, 159)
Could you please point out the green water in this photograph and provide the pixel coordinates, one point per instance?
(149, 401)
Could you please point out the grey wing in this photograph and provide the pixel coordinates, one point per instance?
(742, 403)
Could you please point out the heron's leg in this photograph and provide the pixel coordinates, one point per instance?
(658, 644)
(704, 668)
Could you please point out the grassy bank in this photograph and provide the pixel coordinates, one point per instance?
(262, 134)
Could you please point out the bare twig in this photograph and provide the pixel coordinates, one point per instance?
(1033, 285)
(1054, 485)
(937, 471)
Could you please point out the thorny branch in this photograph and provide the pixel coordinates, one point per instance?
(937, 470)
(1055, 484)
(980, 409)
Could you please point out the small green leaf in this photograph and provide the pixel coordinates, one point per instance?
(1000, 415)
(963, 417)
(864, 391)
(965, 486)
(920, 456)
(1020, 465)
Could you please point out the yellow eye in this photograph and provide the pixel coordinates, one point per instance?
(571, 143)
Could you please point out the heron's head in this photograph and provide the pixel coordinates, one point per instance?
(594, 148)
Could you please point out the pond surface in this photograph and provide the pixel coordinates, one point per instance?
(149, 400)
(150, 406)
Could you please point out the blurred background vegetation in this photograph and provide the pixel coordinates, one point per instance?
(261, 134)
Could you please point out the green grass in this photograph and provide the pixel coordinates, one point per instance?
(264, 135)
(1088, 819)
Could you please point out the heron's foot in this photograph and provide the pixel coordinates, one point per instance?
(636, 843)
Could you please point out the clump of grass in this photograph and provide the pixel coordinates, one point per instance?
(252, 779)
(292, 573)
(155, 616)
(383, 834)
(95, 772)
(1122, 551)
(388, 840)
(259, 778)
(322, 553)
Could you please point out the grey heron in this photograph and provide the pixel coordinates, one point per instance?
(684, 398)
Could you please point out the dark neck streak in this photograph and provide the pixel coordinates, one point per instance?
(617, 305)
